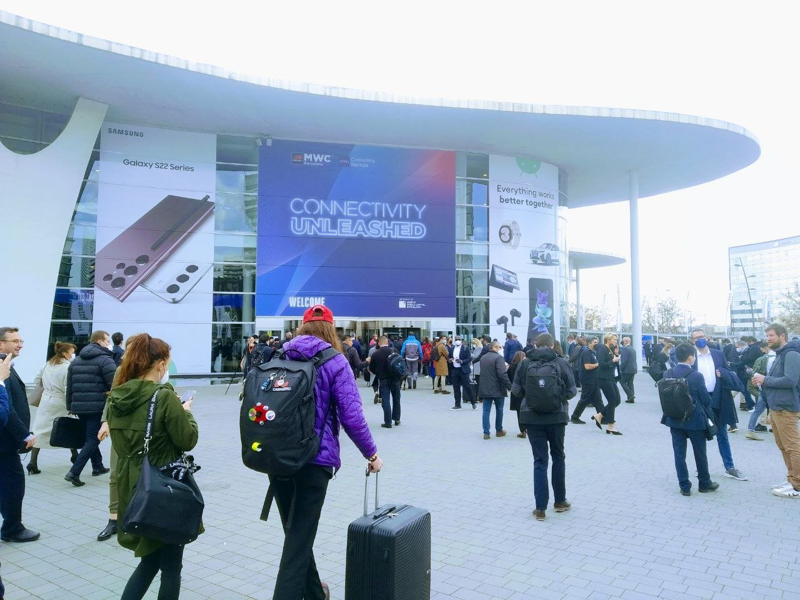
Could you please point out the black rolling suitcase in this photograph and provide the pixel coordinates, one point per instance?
(389, 553)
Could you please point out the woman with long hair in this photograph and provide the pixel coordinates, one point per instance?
(516, 401)
(606, 381)
(303, 494)
(53, 404)
(144, 372)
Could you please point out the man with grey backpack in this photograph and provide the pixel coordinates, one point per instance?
(546, 383)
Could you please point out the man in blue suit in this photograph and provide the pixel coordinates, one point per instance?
(15, 436)
(719, 380)
(693, 428)
(460, 361)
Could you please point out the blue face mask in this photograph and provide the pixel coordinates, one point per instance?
(701, 343)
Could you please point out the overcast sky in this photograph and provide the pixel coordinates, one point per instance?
(730, 60)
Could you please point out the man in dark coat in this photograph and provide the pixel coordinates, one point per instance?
(493, 386)
(546, 428)
(748, 358)
(628, 367)
(388, 385)
(720, 383)
(693, 428)
(459, 362)
(89, 380)
(14, 436)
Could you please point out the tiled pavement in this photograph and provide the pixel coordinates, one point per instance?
(629, 535)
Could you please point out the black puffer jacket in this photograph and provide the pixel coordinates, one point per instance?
(89, 379)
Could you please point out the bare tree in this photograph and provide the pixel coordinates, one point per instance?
(669, 316)
(790, 300)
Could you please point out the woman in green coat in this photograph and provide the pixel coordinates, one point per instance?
(144, 372)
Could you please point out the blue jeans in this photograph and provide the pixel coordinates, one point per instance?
(498, 416)
(390, 399)
(723, 442)
(698, 439)
(540, 437)
(761, 406)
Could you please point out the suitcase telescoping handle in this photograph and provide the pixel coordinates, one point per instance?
(366, 490)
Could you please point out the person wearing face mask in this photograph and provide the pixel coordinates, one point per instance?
(53, 404)
(720, 383)
(459, 374)
(143, 373)
(89, 380)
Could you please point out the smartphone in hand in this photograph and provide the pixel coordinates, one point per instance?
(189, 395)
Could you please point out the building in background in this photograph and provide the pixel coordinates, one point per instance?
(760, 275)
(142, 192)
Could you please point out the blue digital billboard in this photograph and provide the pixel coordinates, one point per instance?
(368, 231)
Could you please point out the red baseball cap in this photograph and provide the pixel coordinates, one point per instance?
(318, 313)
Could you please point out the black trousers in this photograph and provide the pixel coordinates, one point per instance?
(167, 559)
(461, 379)
(611, 392)
(298, 578)
(91, 448)
(626, 381)
(12, 491)
(590, 394)
(390, 400)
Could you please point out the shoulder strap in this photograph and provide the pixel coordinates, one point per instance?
(323, 356)
(151, 415)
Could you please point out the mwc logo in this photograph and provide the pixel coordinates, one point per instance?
(311, 159)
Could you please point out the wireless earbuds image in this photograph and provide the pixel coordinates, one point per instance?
(504, 322)
(515, 314)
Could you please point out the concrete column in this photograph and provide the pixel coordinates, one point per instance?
(636, 293)
(578, 306)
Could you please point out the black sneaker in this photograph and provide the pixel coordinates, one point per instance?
(712, 488)
(577, 421)
(100, 471)
(761, 428)
(687, 492)
(386, 426)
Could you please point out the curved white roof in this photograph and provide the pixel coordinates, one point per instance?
(585, 259)
(50, 68)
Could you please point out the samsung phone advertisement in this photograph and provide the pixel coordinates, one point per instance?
(523, 251)
(367, 231)
(155, 238)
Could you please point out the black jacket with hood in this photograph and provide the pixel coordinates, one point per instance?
(89, 380)
(529, 417)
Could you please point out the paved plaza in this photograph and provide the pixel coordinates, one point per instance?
(630, 534)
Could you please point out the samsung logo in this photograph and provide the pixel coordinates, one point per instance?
(125, 132)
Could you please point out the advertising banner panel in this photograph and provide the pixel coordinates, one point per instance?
(523, 251)
(155, 238)
(367, 231)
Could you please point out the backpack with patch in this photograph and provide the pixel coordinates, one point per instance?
(544, 389)
(397, 366)
(278, 414)
(412, 351)
(435, 353)
(676, 399)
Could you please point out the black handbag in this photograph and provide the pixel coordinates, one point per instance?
(68, 432)
(163, 508)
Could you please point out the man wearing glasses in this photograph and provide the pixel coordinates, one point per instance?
(720, 382)
(15, 436)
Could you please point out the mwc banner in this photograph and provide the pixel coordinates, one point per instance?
(367, 231)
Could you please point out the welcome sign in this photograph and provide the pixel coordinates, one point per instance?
(367, 231)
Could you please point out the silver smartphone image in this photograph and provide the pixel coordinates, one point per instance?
(172, 281)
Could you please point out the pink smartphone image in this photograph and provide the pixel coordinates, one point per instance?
(130, 257)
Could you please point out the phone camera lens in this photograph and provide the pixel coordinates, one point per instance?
(108, 277)
(118, 283)
(142, 259)
(120, 265)
(182, 278)
(132, 270)
(192, 269)
(173, 289)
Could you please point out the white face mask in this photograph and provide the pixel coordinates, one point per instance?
(71, 358)
(165, 378)
(458, 343)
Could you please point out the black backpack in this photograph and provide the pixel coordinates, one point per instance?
(676, 400)
(435, 353)
(278, 414)
(544, 389)
(261, 353)
(654, 370)
(397, 367)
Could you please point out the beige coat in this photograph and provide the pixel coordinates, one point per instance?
(54, 401)
(441, 364)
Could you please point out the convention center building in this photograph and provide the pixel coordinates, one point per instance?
(142, 192)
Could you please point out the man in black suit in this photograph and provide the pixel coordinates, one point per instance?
(16, 435)
(628, 367)
(460, 360)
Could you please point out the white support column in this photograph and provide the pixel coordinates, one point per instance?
(579, 308)
(636, 293)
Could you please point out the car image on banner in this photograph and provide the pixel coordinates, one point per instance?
(367, 231)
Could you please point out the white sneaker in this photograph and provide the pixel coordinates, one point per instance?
(789, 492)
(751, 435)
(735, 474)
(782, 485)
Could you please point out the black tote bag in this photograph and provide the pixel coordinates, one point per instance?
(162, 508)
(68, 432)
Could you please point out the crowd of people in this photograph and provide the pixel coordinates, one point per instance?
(108, 389)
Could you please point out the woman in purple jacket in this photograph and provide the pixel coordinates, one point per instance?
(337, 397)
